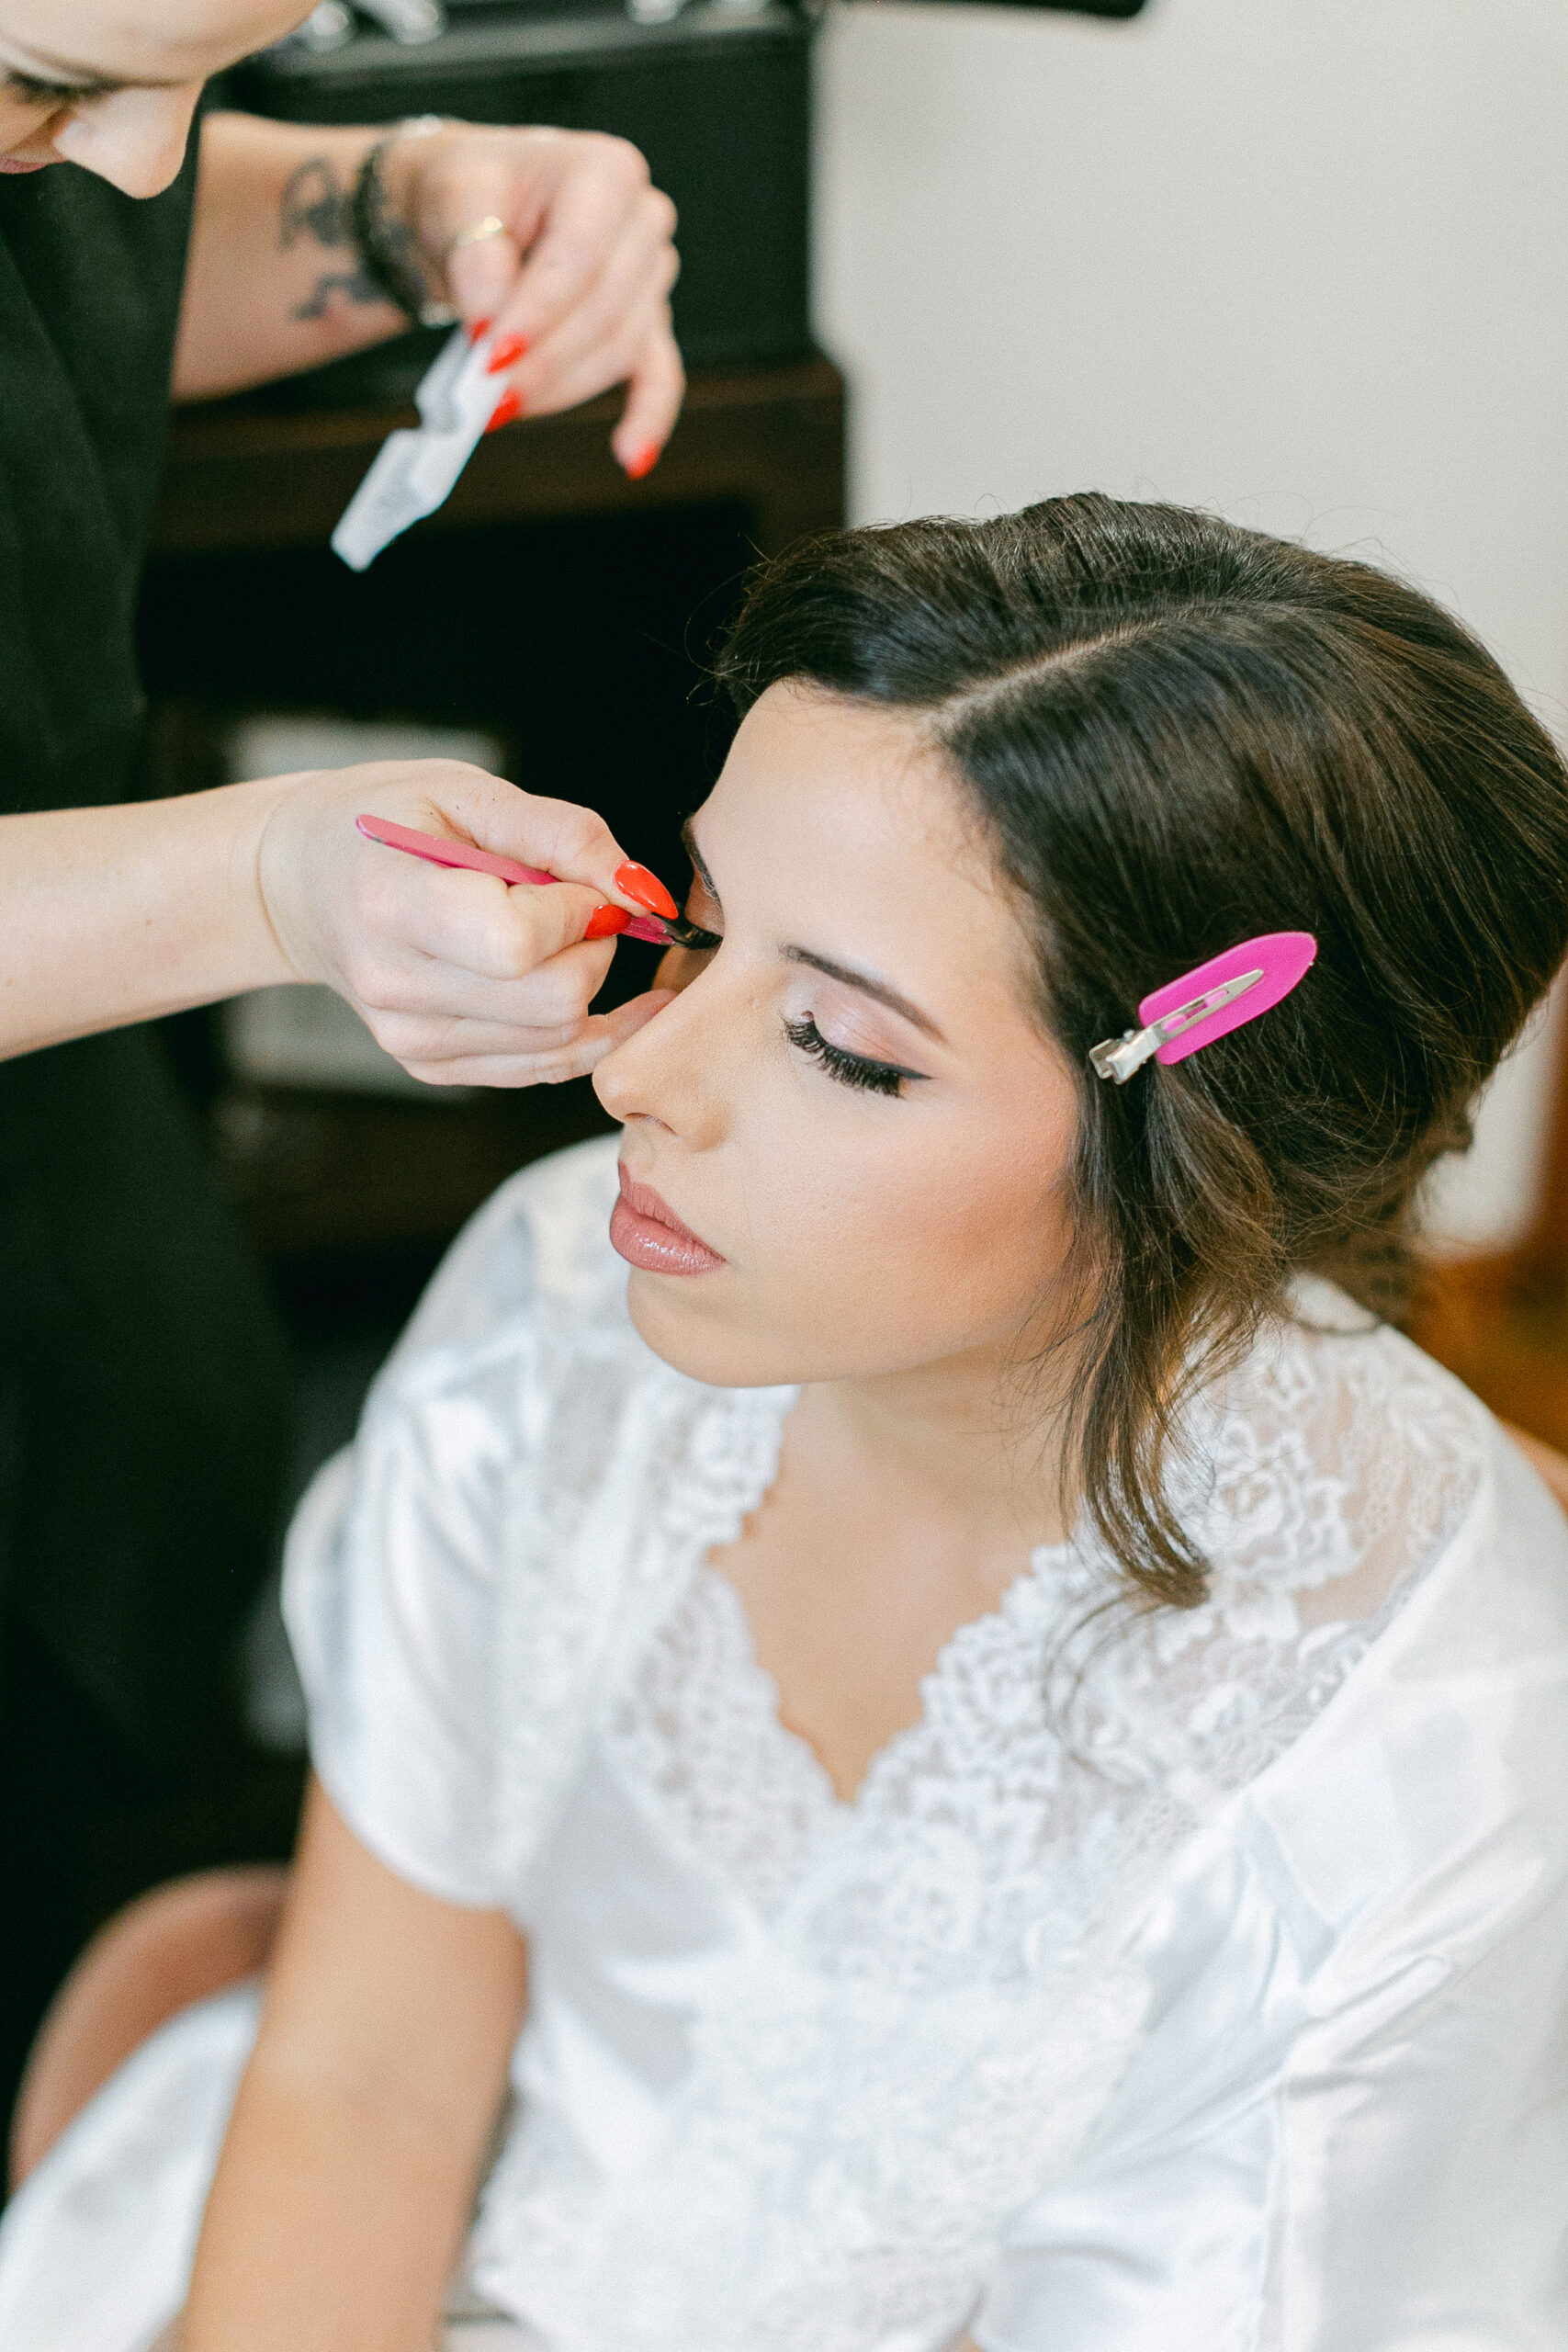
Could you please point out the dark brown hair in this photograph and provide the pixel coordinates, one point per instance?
(1178, 734)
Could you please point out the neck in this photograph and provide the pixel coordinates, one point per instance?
(971, 1439)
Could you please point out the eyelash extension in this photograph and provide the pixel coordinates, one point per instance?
(700, 939)
(850, 1069)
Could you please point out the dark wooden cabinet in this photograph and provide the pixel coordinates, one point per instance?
(567, 611)
(244, 476)
(1499, 1319)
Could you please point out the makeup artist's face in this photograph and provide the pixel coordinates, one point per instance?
(852, 1105)
(112, 85)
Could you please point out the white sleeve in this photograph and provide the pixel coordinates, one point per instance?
(1346, 2128)
(1397, 2183)
(394, 1566)
(390, 1594)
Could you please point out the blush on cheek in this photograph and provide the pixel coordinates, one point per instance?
(908, 1267)
(939, 1287)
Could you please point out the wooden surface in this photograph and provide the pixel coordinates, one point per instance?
(1500, 1319)
(1500, 1322)
(242, 476)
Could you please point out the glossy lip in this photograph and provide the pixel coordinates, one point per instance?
(648, 1234)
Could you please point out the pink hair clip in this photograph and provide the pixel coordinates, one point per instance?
(1214, 999)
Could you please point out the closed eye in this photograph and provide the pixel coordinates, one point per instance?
(36, 93)
(850, 1069)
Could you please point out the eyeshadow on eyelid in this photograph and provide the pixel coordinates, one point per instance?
(856, 1033)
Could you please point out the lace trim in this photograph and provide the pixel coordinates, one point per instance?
(1064, 1743)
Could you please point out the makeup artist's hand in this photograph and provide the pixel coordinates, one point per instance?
(575, 279)
(463, 981)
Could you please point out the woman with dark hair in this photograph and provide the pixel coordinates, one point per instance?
(984, 1741)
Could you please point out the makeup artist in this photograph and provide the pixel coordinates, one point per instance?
(143, 1389)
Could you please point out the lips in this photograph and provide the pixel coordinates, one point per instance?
(648, 1234)
(13, 164)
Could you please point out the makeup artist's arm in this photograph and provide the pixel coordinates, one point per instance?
(118, 914)
(577, 289)
(348, 2173)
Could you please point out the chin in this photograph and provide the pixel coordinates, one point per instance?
(694, 1338)
(701, 1329)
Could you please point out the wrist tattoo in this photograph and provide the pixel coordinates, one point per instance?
(388, 249)
(314, 206)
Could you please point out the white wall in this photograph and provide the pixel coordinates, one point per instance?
(1304, 262)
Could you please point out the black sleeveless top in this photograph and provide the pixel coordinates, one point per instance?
(89, 298)
(141, 1387)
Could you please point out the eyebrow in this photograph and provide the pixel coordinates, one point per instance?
(845, 973)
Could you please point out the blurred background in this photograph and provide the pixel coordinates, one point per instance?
(1299, 261)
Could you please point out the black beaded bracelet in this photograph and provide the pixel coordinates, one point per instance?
(387, 249)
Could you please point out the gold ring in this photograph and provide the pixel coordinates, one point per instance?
(491, 226)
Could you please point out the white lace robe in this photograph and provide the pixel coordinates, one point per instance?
(1195, 1981)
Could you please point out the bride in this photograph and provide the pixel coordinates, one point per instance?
(982, 1742)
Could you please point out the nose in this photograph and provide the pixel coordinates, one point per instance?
(671, 1069)
(134, 139)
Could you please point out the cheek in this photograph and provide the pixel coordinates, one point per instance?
(919, 1244)
(679, 967)
(873, 1242)
(21, 123)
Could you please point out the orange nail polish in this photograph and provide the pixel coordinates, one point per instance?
(509, 405)
(480, 329)
(605, 922)
(507, 352)
(644, 462)
(646, 889)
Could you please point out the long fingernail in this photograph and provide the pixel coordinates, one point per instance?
(480, 329)
(605, 921)
(507, 352)
(509, 405)
(646, 889)
(644, 462)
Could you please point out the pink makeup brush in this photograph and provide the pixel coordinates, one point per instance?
(658, 930)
